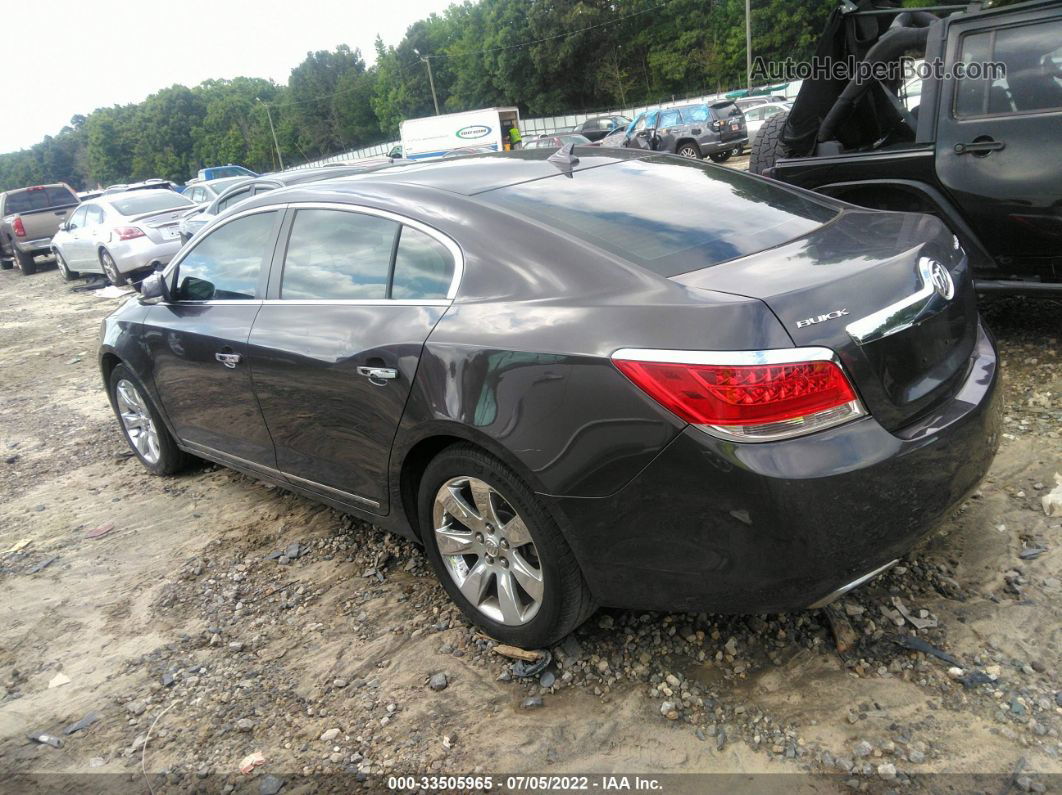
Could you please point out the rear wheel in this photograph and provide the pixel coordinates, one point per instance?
(721, 157)
(25, 262)
(110, 268)
(498, 552)
(64, 269)
(768, 147)
(142, 426)
(689, 149)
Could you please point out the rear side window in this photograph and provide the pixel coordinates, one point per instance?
(1032, 55)
(698, 215)
(424, 267)
(338, 255)
(226, 263)
(33, 199)
(233, 198)
(698, 113)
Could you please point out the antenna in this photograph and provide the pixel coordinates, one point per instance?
(564, 158)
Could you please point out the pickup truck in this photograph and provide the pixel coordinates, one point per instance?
(29, 217)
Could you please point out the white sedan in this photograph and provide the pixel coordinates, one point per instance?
(120, 233)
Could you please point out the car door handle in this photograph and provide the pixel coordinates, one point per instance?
(979, 147)
(230, 360)
(379, 375)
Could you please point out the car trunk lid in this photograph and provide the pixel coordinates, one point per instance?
(160, 226)
(862, 286)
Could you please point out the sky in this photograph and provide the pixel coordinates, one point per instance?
(113, 52)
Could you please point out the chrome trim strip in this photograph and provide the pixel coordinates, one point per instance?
(833, 596)
(449, 243)
(899, 316)
(727, 358)
(211, 452)
(789, 429)
(320, 486)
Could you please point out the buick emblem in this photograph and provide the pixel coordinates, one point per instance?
(941, 280)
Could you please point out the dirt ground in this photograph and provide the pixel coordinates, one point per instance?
(182, 621)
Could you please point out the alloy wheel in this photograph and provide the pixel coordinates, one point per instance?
(688, 151)
(63, 269)
(137, 421)
(110, 269)
(487, 550)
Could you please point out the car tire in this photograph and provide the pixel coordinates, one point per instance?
(64, 270)
(110, 269)
(721, 157)
(26, 263)
(142, 426)
(494, 581)
(768, 147)
(689, 149)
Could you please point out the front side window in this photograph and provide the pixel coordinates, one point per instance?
(93, 215)
(338, 255)
(233, 198)
(77, 220)
(424, 267)
(225, 264)
(1032, 55)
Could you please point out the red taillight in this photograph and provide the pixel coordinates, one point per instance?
(753, 402)
(128, 232)
(19, 227)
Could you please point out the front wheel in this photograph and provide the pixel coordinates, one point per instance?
(64, 269)
(721, 157)
(110, 268)
(498, 552)
(143, 427)
(769, 148)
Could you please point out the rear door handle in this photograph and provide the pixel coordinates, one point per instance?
(230, 360)
(979, 147)
(379, 375)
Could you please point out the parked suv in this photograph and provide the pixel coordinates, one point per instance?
(716, 130)
(29, 217)
(981, 152)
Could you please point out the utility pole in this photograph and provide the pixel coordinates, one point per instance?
(748, 44)
(431, 80)
(272, 129)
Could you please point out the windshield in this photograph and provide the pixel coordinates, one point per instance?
(149, 202)
(668, 214)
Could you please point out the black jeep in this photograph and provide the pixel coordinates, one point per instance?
(980, 149)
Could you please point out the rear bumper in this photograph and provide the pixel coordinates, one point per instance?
(42, 245)
(755, 528)
(141, 252)
(715, 146)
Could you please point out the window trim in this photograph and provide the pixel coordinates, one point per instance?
(445, 240)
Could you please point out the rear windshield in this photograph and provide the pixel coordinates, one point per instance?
(668, 214)
(149, 202)
(33, 199)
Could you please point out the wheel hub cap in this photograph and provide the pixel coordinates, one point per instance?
(488, 550)
(136, 419)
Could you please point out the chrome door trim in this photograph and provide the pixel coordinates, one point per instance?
(210, 452)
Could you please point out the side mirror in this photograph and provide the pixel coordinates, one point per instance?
(155, 287)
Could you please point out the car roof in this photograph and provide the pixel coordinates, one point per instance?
(474, 174)
(108, 198)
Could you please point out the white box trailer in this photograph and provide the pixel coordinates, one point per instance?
(475, 130)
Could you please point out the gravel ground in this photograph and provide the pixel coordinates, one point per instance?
(215, 617)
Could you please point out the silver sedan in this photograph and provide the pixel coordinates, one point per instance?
(120, 233)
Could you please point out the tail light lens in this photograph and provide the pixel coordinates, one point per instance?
(128, 232)
(19, 227)
(747, 395)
